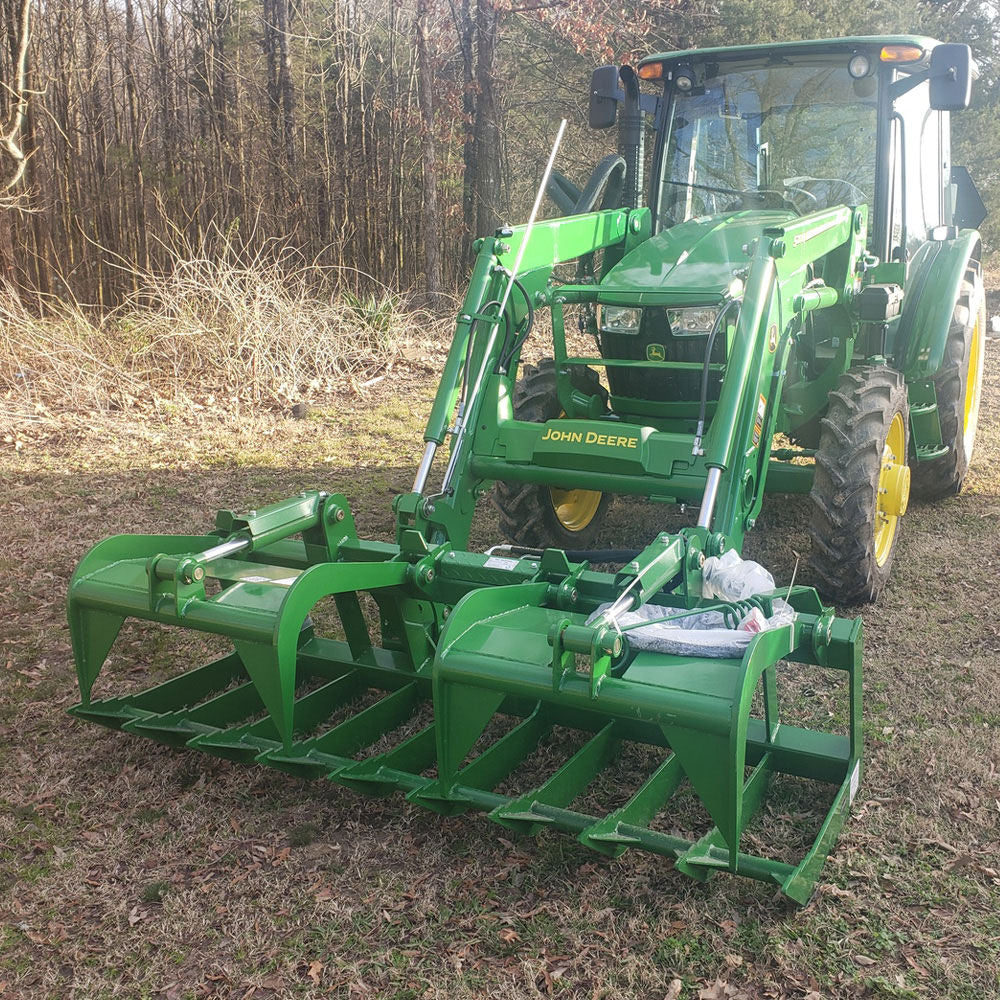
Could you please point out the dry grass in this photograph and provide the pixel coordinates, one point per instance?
(128, 870)
(267, 330)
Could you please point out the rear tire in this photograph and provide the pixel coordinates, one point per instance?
(958, 386)
(861, 484)
(543, 516)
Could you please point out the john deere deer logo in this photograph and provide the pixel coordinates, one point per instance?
(656, 352)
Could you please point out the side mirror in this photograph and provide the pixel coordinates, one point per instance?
(604, 97)
(951, 77)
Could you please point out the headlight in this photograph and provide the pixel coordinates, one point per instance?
(696, 322)
(620, 319)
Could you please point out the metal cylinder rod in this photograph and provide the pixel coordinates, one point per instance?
(224, 549)
(709, 497)
(420, 480)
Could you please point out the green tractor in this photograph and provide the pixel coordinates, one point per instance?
(865, 349)
(800, 263)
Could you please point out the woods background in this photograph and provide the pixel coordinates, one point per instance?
(371, 138)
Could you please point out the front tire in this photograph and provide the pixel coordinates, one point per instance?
(545, 516)
(861, 484)
(958, 387)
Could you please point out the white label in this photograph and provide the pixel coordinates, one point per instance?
(500, 562)
(855, 778)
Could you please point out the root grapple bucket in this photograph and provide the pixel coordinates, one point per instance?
(469, 664)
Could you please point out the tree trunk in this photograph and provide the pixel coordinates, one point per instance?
(12, 157)
(466, 41)
(487, 124)
(431, 216)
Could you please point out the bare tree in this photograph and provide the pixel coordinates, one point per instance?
(13, 160)
(369, 135)
(431, 211)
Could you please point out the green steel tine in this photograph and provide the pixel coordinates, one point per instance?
(246, 742)
(607, 836)
(564, 786)
(487, 770)
(332, 750)
(496, 762)
(178, 692)
(399, 767)
(192, 687)
(705, 854)
(799, 885)
(230, 706)
(371, 724)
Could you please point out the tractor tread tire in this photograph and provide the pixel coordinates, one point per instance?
(945, 476)
(845, 484)
(525, 512)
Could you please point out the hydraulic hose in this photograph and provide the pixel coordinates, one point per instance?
(520, 339)
(471, 346)
(703, 402)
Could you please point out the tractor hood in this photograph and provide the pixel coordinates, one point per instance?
(689, 263)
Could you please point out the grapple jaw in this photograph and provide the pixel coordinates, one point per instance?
(474, 664)
(497, 644)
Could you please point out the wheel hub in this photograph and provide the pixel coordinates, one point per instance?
(575, 509)
(893, 489)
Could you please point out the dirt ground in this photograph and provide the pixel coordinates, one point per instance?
(131, 870)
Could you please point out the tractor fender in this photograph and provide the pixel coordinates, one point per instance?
(935, 279)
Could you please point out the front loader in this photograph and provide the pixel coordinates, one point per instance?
(769, 279)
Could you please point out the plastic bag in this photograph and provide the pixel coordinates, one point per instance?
(706, 633)
(731, 578)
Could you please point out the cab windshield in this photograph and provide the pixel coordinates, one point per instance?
(794, 135)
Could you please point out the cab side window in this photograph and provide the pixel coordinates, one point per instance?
(919, 157)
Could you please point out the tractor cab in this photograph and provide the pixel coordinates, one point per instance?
(802, 126)
(758, 144)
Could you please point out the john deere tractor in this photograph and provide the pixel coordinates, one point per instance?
(793, 255)
(871, 349)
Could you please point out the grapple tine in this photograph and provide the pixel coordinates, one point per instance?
(176, 693)
(562, 787)
(487, 770)
(397, 768)
(711, 851)
(327, 754)
(245, 743)
(611, 835)
(176, 728)
(498, 761)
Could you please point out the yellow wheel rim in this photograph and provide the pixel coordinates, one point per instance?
(893, 489)
(973, 386)
(575, 509)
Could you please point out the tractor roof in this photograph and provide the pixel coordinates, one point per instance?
(801, 48)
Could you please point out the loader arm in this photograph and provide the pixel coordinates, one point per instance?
(725, 473)
(478, 344)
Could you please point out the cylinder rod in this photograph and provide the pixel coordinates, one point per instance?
(424, 468)
(709, 498)
(224, 549)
